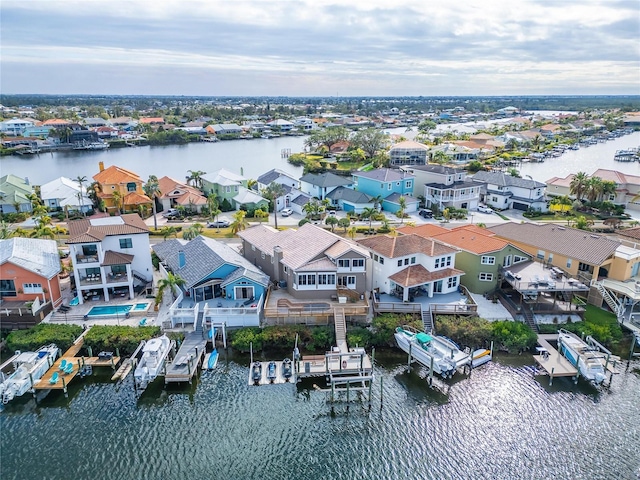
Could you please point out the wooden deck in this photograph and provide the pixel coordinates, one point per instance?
(552, 362)
(185, 364)
(100, 362)
(64, 378)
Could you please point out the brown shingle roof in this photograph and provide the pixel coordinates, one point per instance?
(116, 258)
(415, 275)
(569, 242)
(403, 245)
(89, 231)
(630, 232)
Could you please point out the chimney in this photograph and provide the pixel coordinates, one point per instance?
(101, 166)
(277, 256)
(182, 260)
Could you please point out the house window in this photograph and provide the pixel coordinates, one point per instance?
(389, 187)
(343, 263)
(131, 187)
(89, 249)
(381, 260)
(485, 277)
(7, 288)
(400, 262)
(406, 261)
(568, 263)
(540, 255)
(228, 189)
(408, 184)
(486, 260)
(326, 279)
(452, 282)
(285, 269)
(126, 243)
(550, 257)
(375, 257)
(118, 269)
(32, 287)
(304, 279)
(518, 259)
(253, 247)
(262, 255)
(413, 260)
(357, 262)
(494, 199)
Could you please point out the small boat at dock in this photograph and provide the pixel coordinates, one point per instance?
(29, 368)
(480, 357)
(272, 372)
(256, 372)
(586, 359)
(287, 370)
(154, 356)
(211, 360)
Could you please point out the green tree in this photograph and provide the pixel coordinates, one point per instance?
(370, 140)
(344, 223)
(594, 189)
(578, 185)
(193, 231)
(152, 190)
(583, 223)
(195, 177)
(369, 213)
(81, 180)
(402, 202)
(332, 221)
(167, 231)
(117, 201)
(260, 214)
(239, 222)
(272, 193)
(171, 282)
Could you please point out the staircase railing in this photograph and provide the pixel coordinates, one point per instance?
(614, 303)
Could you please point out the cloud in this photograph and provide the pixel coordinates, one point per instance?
(301, 47)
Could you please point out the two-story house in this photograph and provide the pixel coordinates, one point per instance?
(408, 265)
(310, 262)
(389, 185)
(319, 185)
(445, 186)
(481, 254)
(110, 256)
(233, 188)
(408, 153)
(64, 193)
(120, 189)
(290, 185)
(174, 193)
(14, 194)
(503, 192)
(15, 126)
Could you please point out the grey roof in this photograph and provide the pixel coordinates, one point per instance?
(325, 179)
(395, 197)
(349, 195)
(569, 242)
(442, 169)
(466, 183)
(33, 254)
(504, 180)
(385, 175)
(272, 175)
(202, 257)
(301, 199)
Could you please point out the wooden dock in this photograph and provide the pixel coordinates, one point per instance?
(185, 364)
(123, 371)
(552, 361)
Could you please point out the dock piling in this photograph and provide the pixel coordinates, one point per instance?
(551, 376)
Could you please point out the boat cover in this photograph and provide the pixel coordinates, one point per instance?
(423, 337)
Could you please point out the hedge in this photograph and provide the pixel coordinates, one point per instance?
(43, 334)
(282, 338)
(124, 338)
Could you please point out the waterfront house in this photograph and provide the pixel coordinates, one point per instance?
(232, 288)
(129, 197)
(233, 188)
(281, 125)
(174, 194)
(319, 185)
(278, 176)
(224, 129)
(408, 153)
(390, 185)
(29, 284)
(445, 186)
(152, 121)
(481, 254)
(110, 256)
(458, 154)
(15, 126)
(410, 265)
(14, 194)
(95, 122)
(503, 192)
(310, 262)
(64, 193)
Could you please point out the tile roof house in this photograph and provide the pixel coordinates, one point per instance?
(14, 194)
(504, 192)
(445, 186)
(175, 193)
(309, 262)
(390, 185)
(481, 254)
(128, 184)
(409, 265)
(319, 185)
(213, 270)
(110, 256)
(29, 269)
(66, 194)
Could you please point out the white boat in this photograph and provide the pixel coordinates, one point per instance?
(446, 355)
(29, 367)
(586, 359)
(154, 356)
(480, 357)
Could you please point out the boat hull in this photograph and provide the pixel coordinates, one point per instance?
(582, 357)
(439, 356)
(30, 368)
(154, 356)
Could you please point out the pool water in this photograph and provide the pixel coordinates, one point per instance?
(107, 310)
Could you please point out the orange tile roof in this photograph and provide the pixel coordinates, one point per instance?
(56, 121)
(152, 120)
(82, 231)
(472, 241)
(135, 198)
(427, 230)
(115, 175)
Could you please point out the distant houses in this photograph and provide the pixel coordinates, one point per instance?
(14, 194)
(64, 193)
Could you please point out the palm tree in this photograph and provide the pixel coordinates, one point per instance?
(5, 231)
(377, 202)
(42, 232)
(609, 187)
(369, 213)
(167, 231)
(352, 232)
(239, 223)
(402, 201)
(272, 193)
(171, 282)
(260, 214)
(152, 190)
(117, 199)
(594, 188)
(212, 205)
(251, 183)
(81, 180)
(193, 231)
(578, 185)
(196, 177)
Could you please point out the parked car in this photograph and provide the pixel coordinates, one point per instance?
(484, 209)
(286, 212)
(332, 213)
(220, 223)
(172, 212)
(425, 213)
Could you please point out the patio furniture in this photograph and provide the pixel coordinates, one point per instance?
(54, 378)
(63, 364)
(219, 304)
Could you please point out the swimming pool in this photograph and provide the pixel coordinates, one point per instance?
(112, 310)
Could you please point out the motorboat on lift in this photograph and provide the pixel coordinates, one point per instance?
(256, 372)
(154, 356)
(272, 372)
(585, 358)
(29, 367)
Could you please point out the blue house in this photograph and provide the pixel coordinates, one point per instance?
(389, 185)
(218, 280)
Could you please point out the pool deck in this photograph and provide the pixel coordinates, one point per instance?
(75, 314)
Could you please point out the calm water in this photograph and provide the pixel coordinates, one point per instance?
(501, 423)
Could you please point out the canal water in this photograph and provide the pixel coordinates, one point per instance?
(501, 423)
(254, 157)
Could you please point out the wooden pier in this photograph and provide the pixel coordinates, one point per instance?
(185, 364)
(552, 361)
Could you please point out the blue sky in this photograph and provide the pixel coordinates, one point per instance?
(320, 48)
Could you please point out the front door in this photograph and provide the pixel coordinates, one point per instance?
(437, 286)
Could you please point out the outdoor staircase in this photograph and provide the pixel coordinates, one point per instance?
(341, 329)
(529, 318)
(427, 320)
(138, 276)
(198, 327)
(615, 305)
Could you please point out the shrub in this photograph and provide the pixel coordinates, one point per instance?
(384, 326)
(359, 337)
(242, 339)
(466, 331)
(43, 334)
(124, 338)
(513, 336)
(303, 221)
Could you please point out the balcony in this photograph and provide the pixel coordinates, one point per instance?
(87, 259)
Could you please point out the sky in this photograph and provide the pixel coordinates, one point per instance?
(320, 48)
